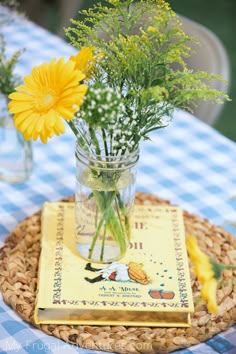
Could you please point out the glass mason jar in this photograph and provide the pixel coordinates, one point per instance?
(15, 152)
(104, 198)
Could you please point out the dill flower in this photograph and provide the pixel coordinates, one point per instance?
(101, 106)
(208, 273)
(51, 91)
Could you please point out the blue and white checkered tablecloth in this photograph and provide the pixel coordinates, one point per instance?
(188, 163)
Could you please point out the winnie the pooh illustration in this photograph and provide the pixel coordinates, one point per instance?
(136, 273)
(119, 272)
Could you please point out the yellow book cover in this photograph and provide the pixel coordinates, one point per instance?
(149, 286)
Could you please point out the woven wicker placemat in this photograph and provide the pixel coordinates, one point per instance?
(18, 280)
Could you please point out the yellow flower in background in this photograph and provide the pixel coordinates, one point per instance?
(84, 61)
(208, 294)
(51, 92)
(204, 270)
(202, 265)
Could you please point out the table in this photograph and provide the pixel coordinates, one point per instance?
(188, 163)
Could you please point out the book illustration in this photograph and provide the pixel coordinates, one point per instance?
(131, 272)
(116, 271)
(137, 273)
(161, 294)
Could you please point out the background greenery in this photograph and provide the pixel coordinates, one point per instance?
(217, 15)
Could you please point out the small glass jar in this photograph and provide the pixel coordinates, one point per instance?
(16, 159)
(104, 198)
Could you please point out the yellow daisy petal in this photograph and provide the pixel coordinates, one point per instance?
(59, 127)
(40, 124)
(50, 118)
(65, 112)
(44, 138)
(35, 134)
(24, 125)
(28, 132)
(19, 106)
(19, 96)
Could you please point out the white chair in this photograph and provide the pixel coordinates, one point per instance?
(68, 9)
(211, 57)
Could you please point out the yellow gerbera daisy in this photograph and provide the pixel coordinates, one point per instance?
(84, 61)
(51, 92)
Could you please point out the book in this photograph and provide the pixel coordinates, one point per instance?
(149, 286)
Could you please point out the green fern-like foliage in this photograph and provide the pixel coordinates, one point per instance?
(8, 79)
(143, 50)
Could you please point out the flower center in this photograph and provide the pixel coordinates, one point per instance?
(48, 99)
(45, 101)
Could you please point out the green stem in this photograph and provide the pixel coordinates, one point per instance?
(128, 227)
(105, 142)
(94, 140)
(154, 128)
(96, 217)
(218, 268)
(230, 267)
(103, 218)
(118, 213)
(108, 214)
(124, 212)
(71, 125)
(103, 242)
